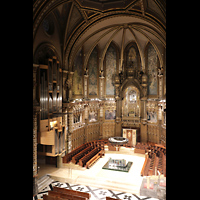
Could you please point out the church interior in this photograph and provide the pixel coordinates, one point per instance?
(99, 93)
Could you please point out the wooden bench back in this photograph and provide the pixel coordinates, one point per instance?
(73, 192)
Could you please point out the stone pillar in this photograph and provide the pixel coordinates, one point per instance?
(35, 186)
(65, 86)
(101, 88)
(59, 161)
(64, 122)
(143, 110)
(85, 86)
(69, 85)
(160, 76)
(70, 127)
(118, 120)
(86, 123)
(35, 68)
(118, 100)
(36, 109)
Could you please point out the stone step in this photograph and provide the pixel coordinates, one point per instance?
(44, 182)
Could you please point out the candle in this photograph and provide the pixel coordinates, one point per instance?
(148, 182)
(155, 171)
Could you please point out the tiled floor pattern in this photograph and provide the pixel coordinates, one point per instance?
(96, 193)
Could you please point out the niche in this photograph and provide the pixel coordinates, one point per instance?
(93, 116)
(131, 102)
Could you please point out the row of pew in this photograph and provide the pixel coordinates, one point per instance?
(86, 154)
(66, 194)
(155, 159)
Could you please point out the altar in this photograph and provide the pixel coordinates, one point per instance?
(117, 165)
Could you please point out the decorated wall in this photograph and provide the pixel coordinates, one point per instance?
(78, 75)
(152, 70)
(93, 70)
(111, 62)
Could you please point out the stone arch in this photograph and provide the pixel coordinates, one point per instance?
(43, 52)
(134, 83)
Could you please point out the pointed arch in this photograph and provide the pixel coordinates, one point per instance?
(110, 68)
(135, 60)
(93, 68)
(152, 63)
(43, 52)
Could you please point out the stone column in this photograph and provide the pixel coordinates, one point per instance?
(118, 100)
(65, 86)
(85, 86)
(59, 161)
(143, 111)
(118, 120)
(64, 122)
(35, 186)
(35, 68)
(101, 88)
(160, 76)
(69, 85)
(70, 126)
(36, 109)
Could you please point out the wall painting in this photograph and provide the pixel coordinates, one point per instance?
(93, 72)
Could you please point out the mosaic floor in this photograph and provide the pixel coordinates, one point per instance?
(96, 193)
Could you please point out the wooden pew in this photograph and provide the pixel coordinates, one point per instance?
(46, 197)
(94, 159)
(87, 157)
(66, 196)
(68, 157)
(142, 151)
(143, 167)
(164, 165)
(146, 170)
(110, 198)
(160, 162)
(155, 165)
(72, 192)
(77, 157)
(150, 172)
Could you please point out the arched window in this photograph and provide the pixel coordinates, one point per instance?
(111, 63)
(93, 73)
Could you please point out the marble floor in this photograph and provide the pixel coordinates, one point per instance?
(121, 183)
(96, 193)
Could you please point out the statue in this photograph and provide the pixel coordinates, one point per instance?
(86, 72)
(101, 73)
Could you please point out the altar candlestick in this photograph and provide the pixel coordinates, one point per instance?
(155, 171)
(148, 182)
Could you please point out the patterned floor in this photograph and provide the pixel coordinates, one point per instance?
(96, 193)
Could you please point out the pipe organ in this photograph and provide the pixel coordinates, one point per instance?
(52, 134)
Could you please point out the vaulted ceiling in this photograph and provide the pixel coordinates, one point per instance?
(67, 26)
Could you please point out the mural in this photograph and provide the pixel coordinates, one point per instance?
(92, 65)
(110, 114)
(131, 58)
(77, 88)
(111, 63)
(152, 70)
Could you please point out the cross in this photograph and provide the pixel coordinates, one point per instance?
(103, 193)
(80, 188)
(127, 197)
